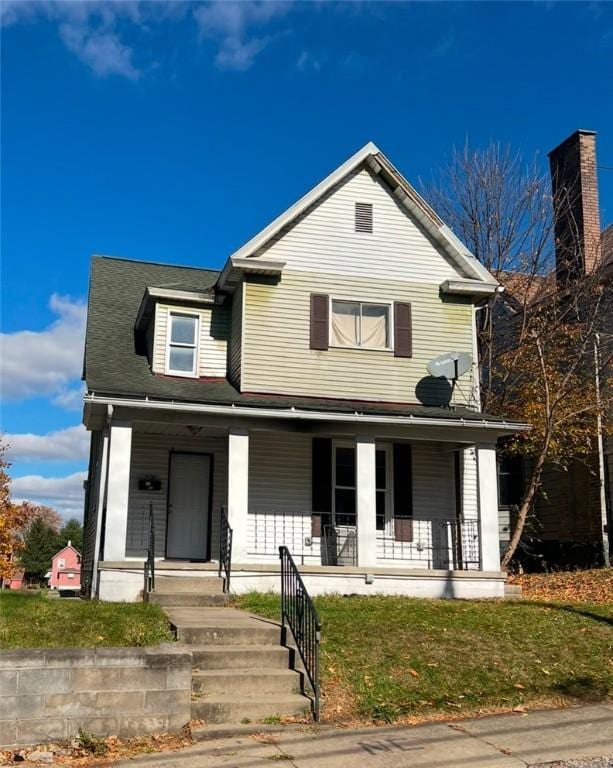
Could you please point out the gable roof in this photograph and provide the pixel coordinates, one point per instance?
(63, 549)
(372, 157)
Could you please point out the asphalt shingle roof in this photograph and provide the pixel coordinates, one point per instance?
(116, 366)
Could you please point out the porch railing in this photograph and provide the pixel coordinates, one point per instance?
(225, 549)
(434, 542)
(299, 614)
(447, 544)
(149, 567)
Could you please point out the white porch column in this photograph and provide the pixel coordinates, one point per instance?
(118, 489)
(488, 507)
(366, 506)
(238, 492)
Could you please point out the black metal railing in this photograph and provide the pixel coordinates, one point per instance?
(149, 569)
(299, 614)
(225, 549)
(448, 544)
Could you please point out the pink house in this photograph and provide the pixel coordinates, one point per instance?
(66, 569)
(16, 580)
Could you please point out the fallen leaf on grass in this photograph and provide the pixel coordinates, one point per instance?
(413, 672)
(520, 708)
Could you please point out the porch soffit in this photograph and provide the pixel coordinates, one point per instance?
(434, 424)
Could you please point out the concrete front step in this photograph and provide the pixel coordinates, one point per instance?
(188, 599)
(220, 708)
(207, 585)
(240, 657)
(222, 626)
(246, 681)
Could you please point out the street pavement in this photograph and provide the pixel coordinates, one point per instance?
(503, 741)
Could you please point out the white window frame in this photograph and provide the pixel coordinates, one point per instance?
(388, 530)
(378, 303)
(195, 346)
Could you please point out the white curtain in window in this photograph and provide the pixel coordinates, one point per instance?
(345, 323)
(374, 326)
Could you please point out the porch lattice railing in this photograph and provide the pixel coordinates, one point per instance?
(430, 543)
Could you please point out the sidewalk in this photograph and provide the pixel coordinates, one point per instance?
(502, 741)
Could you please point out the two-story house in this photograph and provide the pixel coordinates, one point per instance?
(288, 395)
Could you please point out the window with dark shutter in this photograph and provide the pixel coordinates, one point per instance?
(319, 321)
(403, 493)
(403, 331)
(363, 217)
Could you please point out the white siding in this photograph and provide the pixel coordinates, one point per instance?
(214, 325)
(151, 456)
(324, 240)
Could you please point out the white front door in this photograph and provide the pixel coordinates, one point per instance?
(188, 507)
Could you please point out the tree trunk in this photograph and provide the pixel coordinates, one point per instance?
(524, 508)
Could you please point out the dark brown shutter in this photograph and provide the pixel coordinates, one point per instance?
(321, 478)
(403, 493)
(403, 331)
(319, 321)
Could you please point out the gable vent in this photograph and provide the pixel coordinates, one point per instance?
(363, 217)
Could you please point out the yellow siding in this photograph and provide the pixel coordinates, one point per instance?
(212, 342)
(277, 358)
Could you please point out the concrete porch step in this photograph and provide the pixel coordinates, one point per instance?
(221, 626)
(246, 681)
(188, 599)
(221, 708)
(206, 585)
(231, 657)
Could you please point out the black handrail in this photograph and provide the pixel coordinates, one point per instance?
(150, 561)
(225, 549)
(298, 611)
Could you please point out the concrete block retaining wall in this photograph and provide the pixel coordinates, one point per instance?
(49, 694)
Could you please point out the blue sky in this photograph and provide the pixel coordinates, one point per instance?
(174, 131)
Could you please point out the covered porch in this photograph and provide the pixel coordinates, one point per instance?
(401, 506)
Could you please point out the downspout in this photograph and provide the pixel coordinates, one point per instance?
(601, 458)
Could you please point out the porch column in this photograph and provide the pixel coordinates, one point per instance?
(488, 507)
(366, 501)
(118, 490)
(238, 492)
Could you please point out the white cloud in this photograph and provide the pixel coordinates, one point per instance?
(70, 444)
(230, 23)
(35, 363)
(88, 28)
(70, 398)
(65, 494)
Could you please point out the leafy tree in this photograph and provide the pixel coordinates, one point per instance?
(49, 516)
(41, 543)
(73, 532)
(545, 348)
(13, 518)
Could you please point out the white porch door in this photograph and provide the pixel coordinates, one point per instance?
(188, 507)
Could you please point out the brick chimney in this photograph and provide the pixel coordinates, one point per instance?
(574, 185)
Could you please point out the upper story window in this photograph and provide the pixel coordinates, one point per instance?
(363, 217)
(182, 353)
(360, 324)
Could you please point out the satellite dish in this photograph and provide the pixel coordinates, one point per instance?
(451, 365)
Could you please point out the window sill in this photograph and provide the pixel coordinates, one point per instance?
(364, 349)
(182, 374)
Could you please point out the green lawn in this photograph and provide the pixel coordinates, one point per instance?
(33, 620)
(387, 659)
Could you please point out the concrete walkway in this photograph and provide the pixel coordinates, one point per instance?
(502, 741)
